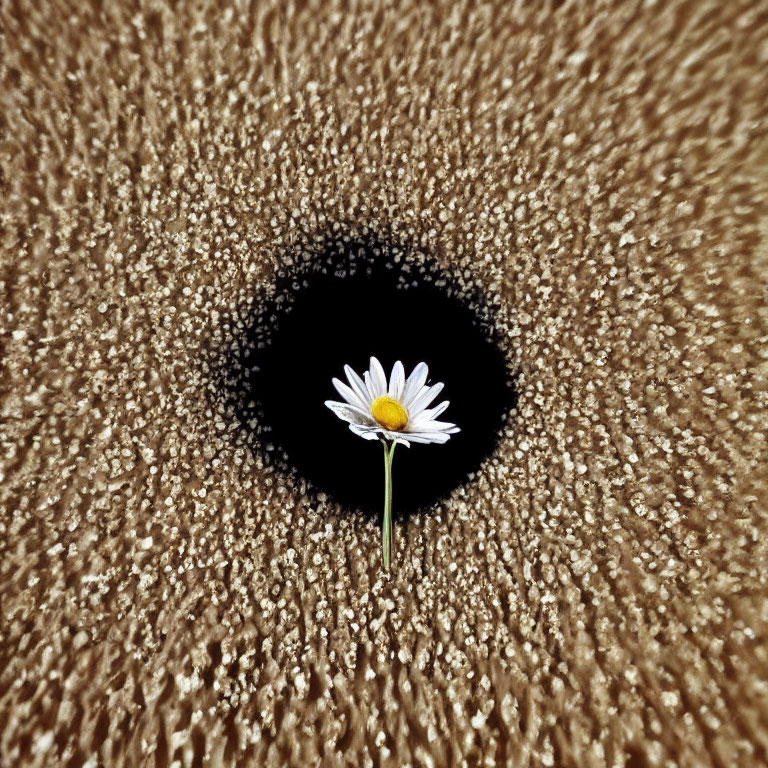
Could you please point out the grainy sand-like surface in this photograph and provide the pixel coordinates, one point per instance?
(596, 595)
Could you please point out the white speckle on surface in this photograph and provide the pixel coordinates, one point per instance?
(43, 743)
(670, 699)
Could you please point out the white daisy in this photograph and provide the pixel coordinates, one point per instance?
(397, 412)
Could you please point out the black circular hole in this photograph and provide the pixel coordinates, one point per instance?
(352, 301)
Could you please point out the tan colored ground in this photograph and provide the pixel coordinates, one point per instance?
(596, 596)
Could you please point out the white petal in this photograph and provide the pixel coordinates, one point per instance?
(434, 426)
(367, 433)
(378, 377)
(349, 394)
(397, 381)
(428, 437)
(370, 386)
(433, 413)
(398, 437)
(357, 385)
(414, 383)
(423, 398)
(349, 412)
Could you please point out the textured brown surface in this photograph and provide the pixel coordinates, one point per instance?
(595, 596)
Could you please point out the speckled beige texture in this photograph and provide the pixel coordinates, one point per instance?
(596, 595)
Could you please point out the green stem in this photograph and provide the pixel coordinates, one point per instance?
(387, 537)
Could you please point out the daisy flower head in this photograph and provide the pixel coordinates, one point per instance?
(398, 411)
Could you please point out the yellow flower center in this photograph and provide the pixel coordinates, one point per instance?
(389, 413)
